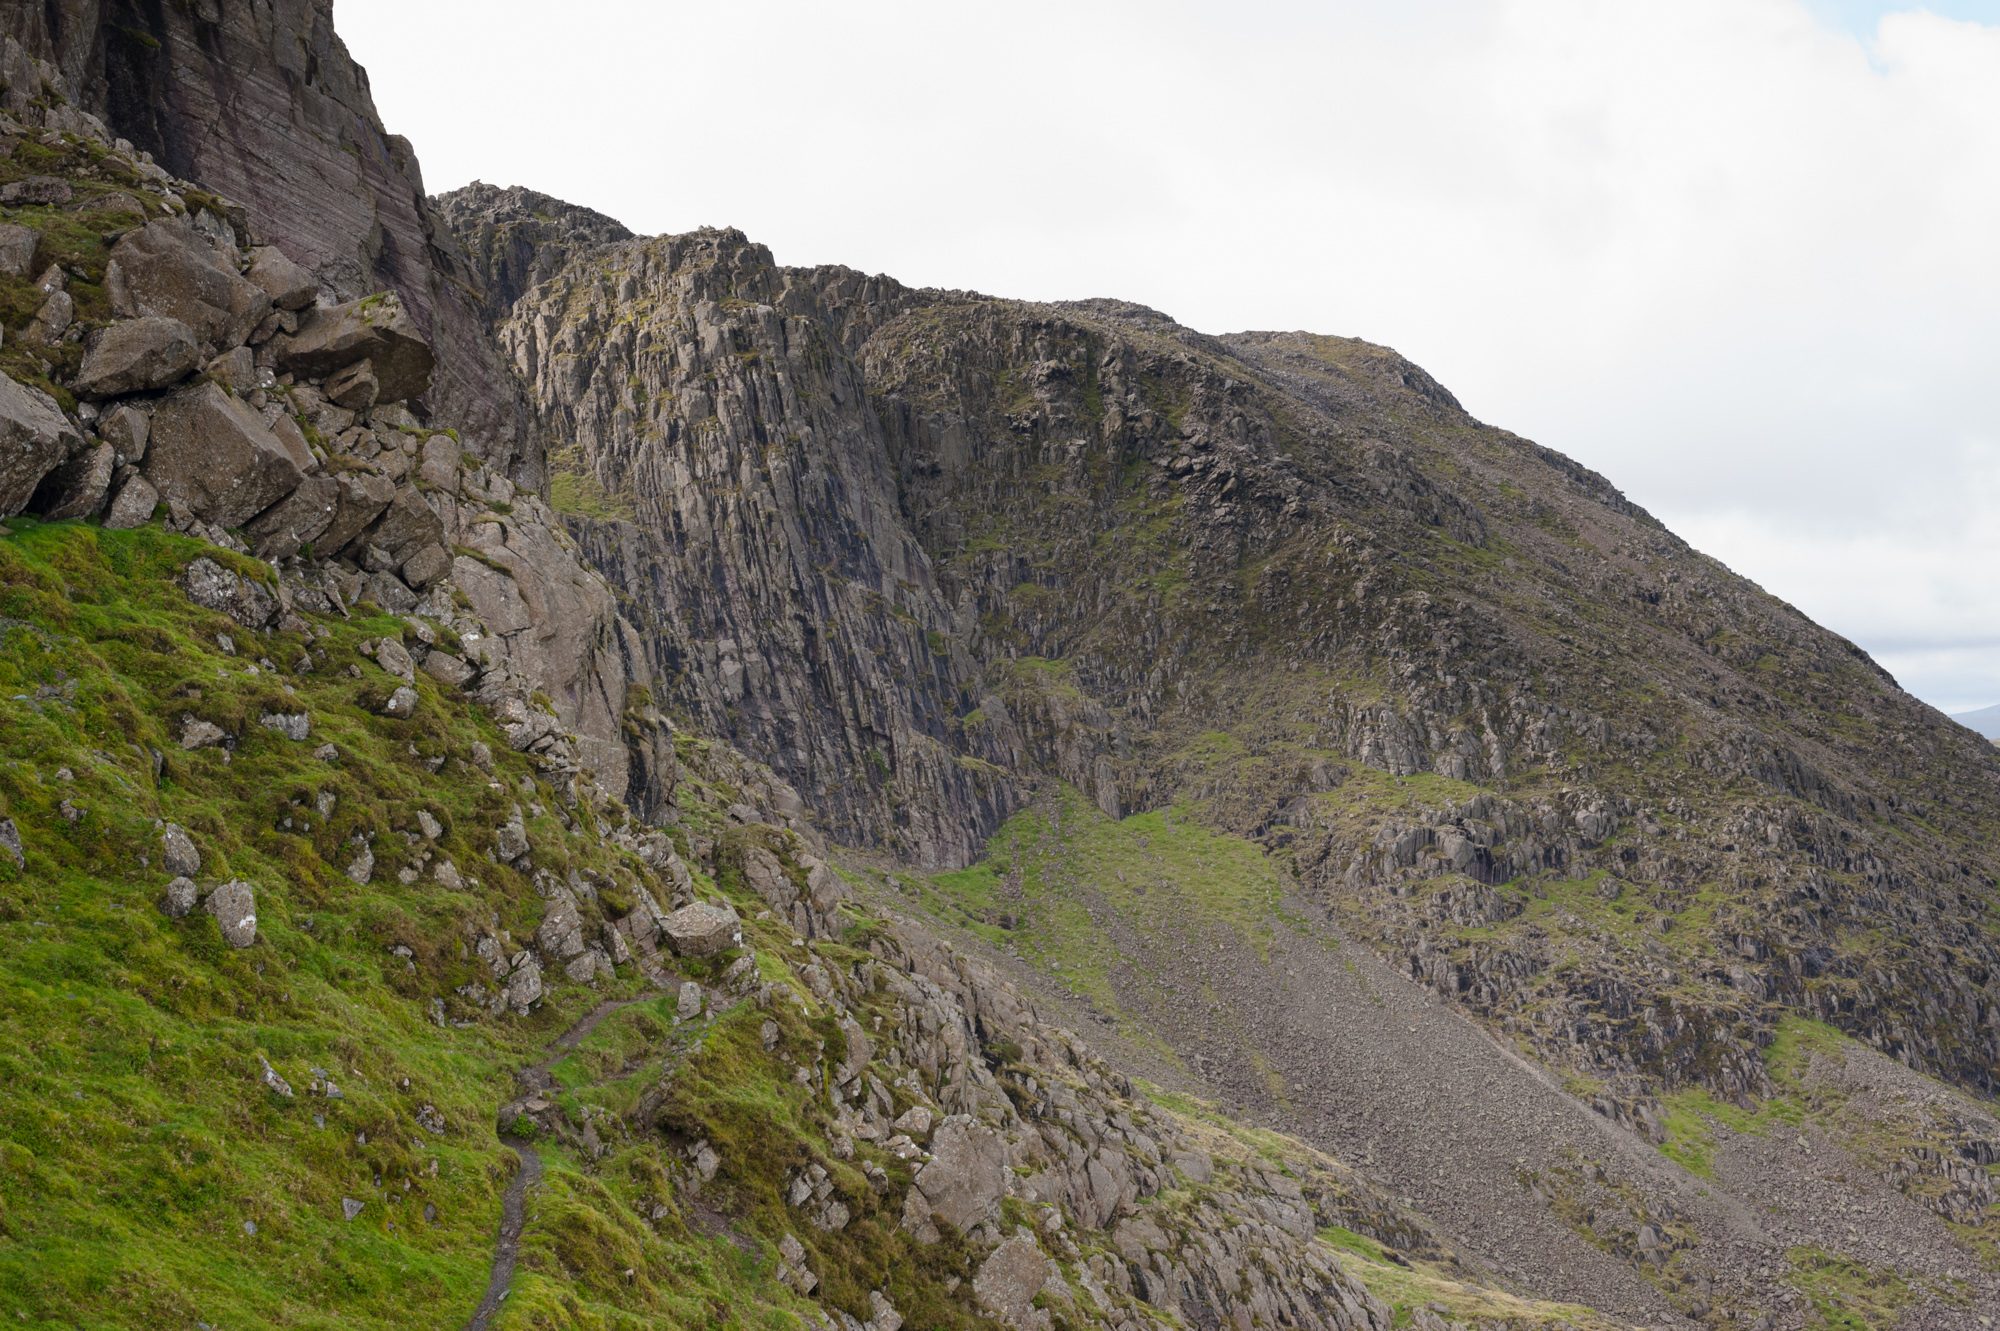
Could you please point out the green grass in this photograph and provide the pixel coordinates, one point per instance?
(1846, 1295)
(1407, 1284)
(575, 491)
(137, 1143)
(1055, 876)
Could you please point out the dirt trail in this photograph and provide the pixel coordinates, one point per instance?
(528, 1168)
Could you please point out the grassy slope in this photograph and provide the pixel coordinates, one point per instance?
(148, 1177)
(137, 1144)
(1059, 875)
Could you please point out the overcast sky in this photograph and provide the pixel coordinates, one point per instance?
(1742, 256)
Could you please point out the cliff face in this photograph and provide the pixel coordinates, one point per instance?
(1238, 647)
(712, 437)
(1554, 762)
(322, 211)
(259, 101)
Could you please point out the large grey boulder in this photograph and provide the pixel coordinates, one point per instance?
(17, 250)
(137, 355)
(126, 429)
(376, 329)
(1008, 1281)
(211, 453)
(297, 519)
(289, 285)
(133, 505)
(703, 929)
(213, 587)
(35, 437)
(964, 1180)
(234, 906)
(77, 488)
(406, 526)
(167, 268)
(182, 896)
(178, 854)
(362, 497)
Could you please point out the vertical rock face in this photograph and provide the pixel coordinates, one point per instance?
(917, 549)
(741, 494)
(518, 239)
(318, 420)
(259, 101)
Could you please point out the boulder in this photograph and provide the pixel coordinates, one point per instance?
(442, 455)
(236, 370)
(524, 985)
(35, 438)
(376, 329)
(37, 189)
(296, 520)
(289, 285)
(10, 842)
(703, 929)
(52, 320)
(136, 356)
(393, 657)
(199, 734)
(510, 839)
(77, 488)
(234, 906)
(561, 931)
(400, 705)
(167, 268)
(964, 1180)
(126, 429)
(354, 388)
(447, 669)
(687, 1006)
(182, 894)
(427, 566)
(213, 587)
(406, 526)
(294, 726)
(178, 854)
(361, 499)
(17, 250)
(211, 453)
(1008, 1281)
(133, 505)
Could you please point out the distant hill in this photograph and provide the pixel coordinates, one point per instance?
(1986, 720)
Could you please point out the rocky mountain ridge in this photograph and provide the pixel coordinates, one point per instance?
(1096, 539)
(935, 559)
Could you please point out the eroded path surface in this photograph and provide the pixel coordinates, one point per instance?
(532, 1080)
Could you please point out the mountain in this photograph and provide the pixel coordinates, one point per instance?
(1986, 720)
(561, 778)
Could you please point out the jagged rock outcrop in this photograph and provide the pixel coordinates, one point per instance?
(517, 238)
(276, 442)
(261, 103)
(781, 599)
(1262, 571)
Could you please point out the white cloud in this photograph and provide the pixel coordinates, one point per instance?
(1741, 261)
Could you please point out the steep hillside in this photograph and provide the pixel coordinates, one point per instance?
(275, 951)
(960, 545)
(341, 987)
(658, 887)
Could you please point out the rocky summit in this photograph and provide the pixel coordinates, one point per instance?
(558, 778)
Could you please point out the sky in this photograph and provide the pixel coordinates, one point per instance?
(1741, 256)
